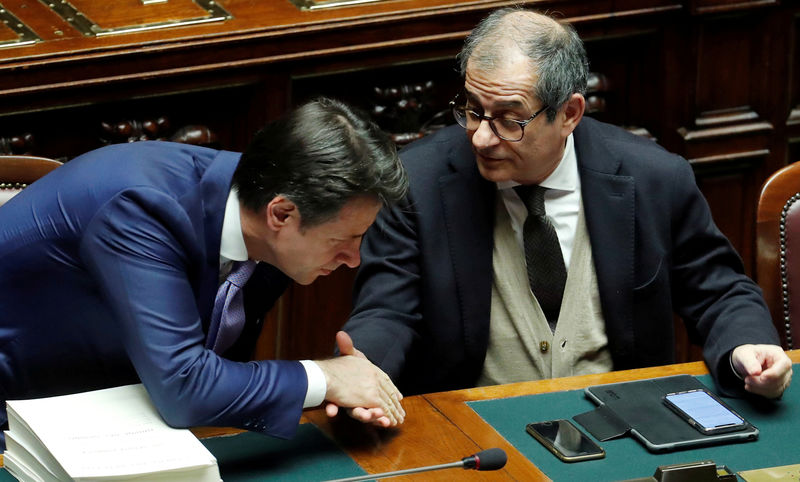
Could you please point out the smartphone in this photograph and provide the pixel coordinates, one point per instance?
(704, 411)
(565, 440)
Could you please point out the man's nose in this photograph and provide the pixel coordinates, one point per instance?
(351, 256)
(484, 136)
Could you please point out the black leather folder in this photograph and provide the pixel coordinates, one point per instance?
(637, 408)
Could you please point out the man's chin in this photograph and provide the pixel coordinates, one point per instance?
(493, 171)
(306, 280)
(310, 278)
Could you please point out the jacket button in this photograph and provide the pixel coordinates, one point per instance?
(544, 346)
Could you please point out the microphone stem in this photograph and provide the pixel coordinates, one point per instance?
(400, 472)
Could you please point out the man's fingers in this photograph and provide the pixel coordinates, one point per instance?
(373, 416)
(391, 398)
(362, 414)
(394, 409)
(331, 409)
(355, 382)
(769, 386)
(345, 344)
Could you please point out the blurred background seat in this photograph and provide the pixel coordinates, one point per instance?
(17, 172)
(778, 250)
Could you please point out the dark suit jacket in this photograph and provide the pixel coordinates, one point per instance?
(109, 268)
(423, 290)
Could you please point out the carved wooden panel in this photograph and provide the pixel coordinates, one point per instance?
(407, 101)
(793, 120)
(129, 14)
(155, 129)
(17, 144)
(721, 6)
(220, 117)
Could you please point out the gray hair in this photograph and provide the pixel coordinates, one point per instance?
(556, 52)
(320, 156)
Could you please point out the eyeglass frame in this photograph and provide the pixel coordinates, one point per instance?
(483, 117)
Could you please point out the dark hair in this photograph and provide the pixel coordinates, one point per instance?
(320, 156)
(556, 52)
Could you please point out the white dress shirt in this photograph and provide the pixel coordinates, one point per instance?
(562, 201)
(232, 248)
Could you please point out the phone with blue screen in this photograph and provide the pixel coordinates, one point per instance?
(705, 412)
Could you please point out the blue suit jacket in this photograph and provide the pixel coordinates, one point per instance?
(423, 291)
(108, 271)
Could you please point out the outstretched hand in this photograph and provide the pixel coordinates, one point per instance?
(361, 387)
(766, 369)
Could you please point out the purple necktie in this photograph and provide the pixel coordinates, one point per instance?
(228, 314)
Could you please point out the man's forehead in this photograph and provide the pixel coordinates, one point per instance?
(502, 103)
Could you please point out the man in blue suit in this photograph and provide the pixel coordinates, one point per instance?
(110, 267)
(449, 294)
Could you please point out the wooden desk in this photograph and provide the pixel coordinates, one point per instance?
(442, 428)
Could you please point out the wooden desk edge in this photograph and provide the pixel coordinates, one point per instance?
(451, 406)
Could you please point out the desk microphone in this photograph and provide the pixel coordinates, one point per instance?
(490, 459)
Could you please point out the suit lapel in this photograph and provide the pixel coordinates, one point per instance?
(609, 206)
(206, 207)
(468, 209)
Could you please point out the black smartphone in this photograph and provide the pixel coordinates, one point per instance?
(565, 440)
(704, 411)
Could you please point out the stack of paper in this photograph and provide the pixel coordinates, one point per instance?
(110, 434)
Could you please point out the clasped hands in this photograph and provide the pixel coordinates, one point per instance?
(354, 383)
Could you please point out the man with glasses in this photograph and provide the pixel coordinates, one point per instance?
(544, 244)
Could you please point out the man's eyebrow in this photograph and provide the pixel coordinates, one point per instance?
(504, 104)
(350, 236)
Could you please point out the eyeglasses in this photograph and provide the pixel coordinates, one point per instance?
(510, 130)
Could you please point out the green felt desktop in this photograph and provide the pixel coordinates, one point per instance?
(778, 422)
(310, 455)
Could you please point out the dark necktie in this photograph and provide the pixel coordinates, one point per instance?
(228, 316)
(547, 274)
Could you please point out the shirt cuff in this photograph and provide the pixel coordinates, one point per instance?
(317, 386)
(733, 369)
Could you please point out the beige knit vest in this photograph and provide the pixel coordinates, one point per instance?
(521, 345)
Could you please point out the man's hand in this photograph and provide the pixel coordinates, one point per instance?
(766, 369)
(354, 382)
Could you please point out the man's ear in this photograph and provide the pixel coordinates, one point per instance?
(281, 212)
(573, 113)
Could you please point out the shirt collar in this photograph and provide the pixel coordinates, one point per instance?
(231, 246)
(565, 175)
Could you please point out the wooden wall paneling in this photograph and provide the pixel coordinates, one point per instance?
(313, 315)
(713, 80)
(69, 130)
(730, 135)
(793, 87)
(626, 52)
(630, 66)
(399, 97)
(718, 6)
(772, 88)
(685, 350)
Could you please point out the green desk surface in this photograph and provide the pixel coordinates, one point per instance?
(309, 456)
(778, 422)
